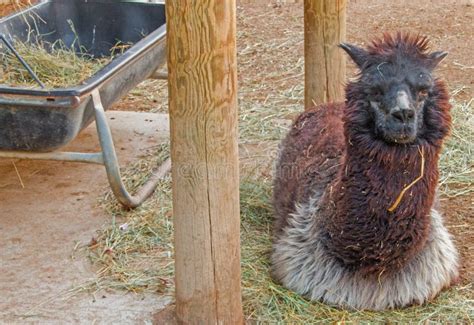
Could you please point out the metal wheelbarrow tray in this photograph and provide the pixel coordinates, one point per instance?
(36, 122)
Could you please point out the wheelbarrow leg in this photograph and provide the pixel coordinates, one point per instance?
(112, 166)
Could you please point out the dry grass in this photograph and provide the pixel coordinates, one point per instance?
(55, 64)
(270, 94)
(140, 257)
(134, 252)
(59, 68)
(265, 301)
(457, 161)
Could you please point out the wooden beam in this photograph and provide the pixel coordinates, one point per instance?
(202, 76)
(325, 66)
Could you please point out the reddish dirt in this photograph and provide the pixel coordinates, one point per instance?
(459, 214)
(449, 24)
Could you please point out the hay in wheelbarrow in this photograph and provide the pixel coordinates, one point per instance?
(58, 67)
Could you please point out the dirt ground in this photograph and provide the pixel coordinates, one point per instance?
(449, 24)
(40, 233)
(46, 210)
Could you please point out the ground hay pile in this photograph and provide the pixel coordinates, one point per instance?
(457, 160)
(135, 252)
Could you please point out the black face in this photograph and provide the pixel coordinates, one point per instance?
(396, 82)
(396, 94)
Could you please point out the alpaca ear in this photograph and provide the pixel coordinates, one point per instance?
(357, 54)
(435, 58)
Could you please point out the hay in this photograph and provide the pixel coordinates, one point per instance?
(140, 258)
(270, 94)
(58, 68)
(55, 64)
(407, 187)
(135, 253)
(457, 159)
(267, 302)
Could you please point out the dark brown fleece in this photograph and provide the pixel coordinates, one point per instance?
(308, 159)
(333, 150)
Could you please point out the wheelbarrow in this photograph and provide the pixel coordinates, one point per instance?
(35, 123)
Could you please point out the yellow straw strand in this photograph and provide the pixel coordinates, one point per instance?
(422, 172)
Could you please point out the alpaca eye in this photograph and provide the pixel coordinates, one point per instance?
(423, 92)
(377, 92)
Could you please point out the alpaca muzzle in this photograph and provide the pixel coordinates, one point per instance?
(403, 115)
(403, 112)
(401, 120)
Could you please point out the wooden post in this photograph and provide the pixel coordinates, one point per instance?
(201, 38)
(325, 66)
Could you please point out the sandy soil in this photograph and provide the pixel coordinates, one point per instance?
(46, 210)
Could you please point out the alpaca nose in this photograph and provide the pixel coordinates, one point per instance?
(404, 115)
(403, 111)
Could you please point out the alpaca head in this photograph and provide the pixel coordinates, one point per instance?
(395, 87)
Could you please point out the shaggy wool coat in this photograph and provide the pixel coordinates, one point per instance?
(335, 239)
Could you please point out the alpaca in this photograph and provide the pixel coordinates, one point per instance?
(356, 214)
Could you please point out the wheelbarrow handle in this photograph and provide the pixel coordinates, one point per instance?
(111, 162)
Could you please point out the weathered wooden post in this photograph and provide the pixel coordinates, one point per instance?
(325, 67)
(203, 111)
